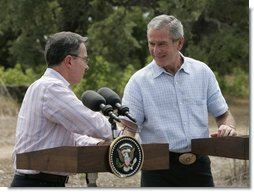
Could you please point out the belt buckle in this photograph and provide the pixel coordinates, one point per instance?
(187, 158)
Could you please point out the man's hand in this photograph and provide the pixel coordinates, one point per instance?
(225, 130)
(107, 142)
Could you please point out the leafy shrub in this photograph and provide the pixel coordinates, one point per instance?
(16, 76)
(240, 83)
(104, 74)
(235, 84)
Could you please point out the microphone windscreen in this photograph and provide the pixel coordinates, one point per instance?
(109, 95)
(92, 100)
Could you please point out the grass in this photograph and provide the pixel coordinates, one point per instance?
(8, 106)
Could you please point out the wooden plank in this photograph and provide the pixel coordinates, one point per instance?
(231, 147)
(87, 159)
(59, 159)
(156, 156)
(93, 159)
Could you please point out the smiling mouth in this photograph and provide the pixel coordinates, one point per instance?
(160, 57)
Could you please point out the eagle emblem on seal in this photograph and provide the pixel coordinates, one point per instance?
(126, 157)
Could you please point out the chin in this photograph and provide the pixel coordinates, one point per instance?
(161, 63)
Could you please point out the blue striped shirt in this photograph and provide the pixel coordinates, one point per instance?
(174, 108)
(51, 116)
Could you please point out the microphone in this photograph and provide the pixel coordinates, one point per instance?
(114, 100)
(96, 102)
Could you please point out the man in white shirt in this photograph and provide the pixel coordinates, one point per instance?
(51, 115)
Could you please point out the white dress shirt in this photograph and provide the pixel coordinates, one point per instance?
(51, 116)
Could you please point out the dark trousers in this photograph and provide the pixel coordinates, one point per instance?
(197, 174)
(23, 181)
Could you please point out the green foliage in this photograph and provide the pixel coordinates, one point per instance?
(235, 84)
(113, 37)
(126, 74)
(100, 75)
(220, 36)
(30, 21)
(221, 55)
(238, 85)
(222, 82)
(16, 76)
(216, 32)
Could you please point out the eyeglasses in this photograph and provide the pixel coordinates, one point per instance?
(85, 59)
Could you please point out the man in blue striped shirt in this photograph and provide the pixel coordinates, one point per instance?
(170, 98)
(51, 115)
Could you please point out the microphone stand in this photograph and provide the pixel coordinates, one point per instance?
(113, 127)
(92, 177)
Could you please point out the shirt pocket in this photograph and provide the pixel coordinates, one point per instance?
(197, 112)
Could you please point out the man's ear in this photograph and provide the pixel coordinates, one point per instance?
(180, 43)
(68, 61)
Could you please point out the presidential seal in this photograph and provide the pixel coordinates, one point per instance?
(126, 156)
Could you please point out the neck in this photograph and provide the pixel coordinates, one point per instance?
(175, 66)
(62, 71)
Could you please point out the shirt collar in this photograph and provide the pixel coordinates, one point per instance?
(54, 74)
(157, 70)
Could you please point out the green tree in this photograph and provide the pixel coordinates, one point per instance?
(221, 36)
(31, 21)
(216, 32)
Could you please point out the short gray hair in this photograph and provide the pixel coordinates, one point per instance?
(61, 44)
(174, 25)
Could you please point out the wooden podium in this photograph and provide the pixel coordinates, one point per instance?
(90, 159)
(87, 159)
(231, 147)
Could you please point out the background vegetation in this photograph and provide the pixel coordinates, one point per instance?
(216, 32)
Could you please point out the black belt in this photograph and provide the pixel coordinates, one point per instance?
(187, 158)
(46, 177)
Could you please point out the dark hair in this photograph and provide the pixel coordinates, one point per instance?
(61, 44)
